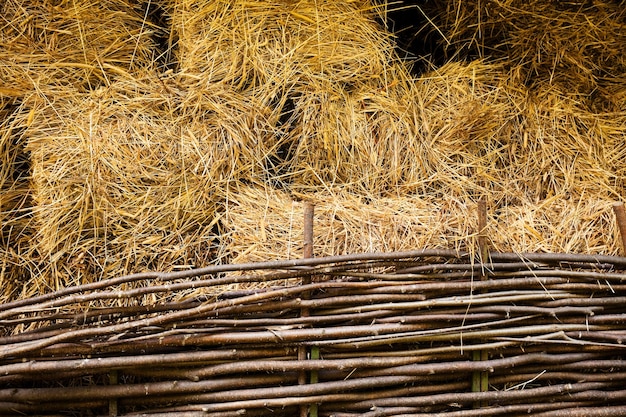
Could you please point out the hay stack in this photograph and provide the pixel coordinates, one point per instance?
(575, 45)
(125, 181)
(485, 133)
(56, 47)
(14, 206)
(549, 169)
(327, 73)
(81, 43)
(268, 224)
(363, 139)
(274, 103)
(468, 120)
(278, 46)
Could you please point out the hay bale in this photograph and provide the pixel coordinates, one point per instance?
(362, 139)
(82, 43)
(568, 149)
(487, 134)
(125, 181)
(266, 223)
(577, 46)
(277, 45)
(276, 103)
(583, 224)
(549, 168)
(327, 73)
(468, 117)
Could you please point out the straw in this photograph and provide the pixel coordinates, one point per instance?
(573, 45)
(273, 104)
(83, 43)
(14, 206)
(123, 181)
(273, 45)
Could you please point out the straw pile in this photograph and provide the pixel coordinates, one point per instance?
(278, 47)
(81, 43)
(321, 68)
(267, 224)
(549, 168)
(53, 47)
(274, 103)
(485, 128)
(123, 180)
(574, 45)
(14, 203)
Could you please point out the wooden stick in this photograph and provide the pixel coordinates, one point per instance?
(304, 312)
(309, 212)
(483, 246)
(620, 216)
(480, 380)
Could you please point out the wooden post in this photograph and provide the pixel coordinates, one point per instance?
(480, 380)
(309, 211)
(620, 216)
(483, 246)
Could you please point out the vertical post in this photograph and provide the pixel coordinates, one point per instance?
(483, 247)
(620, 216)
(309, 211)
(480, 380)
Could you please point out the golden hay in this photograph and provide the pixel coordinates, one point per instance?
(124, 181)
(275, 103)
(468, 118)
(584, 224)
(575, 45)
(278, 45)
(82, 43)
(463, 129)
(362, 139)
(268, 224)
(549, 169)
(485, 134)
(14, 206)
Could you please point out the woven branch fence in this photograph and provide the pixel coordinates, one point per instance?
(419, 333)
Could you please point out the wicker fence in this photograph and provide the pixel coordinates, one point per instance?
(419, 333)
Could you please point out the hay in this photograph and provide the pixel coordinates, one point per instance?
(362, 139)
(267, 224)
(81, 43)
(278, 45)
(468, 118)
(577, 46)
(462, 129)
(549, 168)
(584, 224)
(125, 181)
(483, 133)
(327, 72)
(272, 104)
